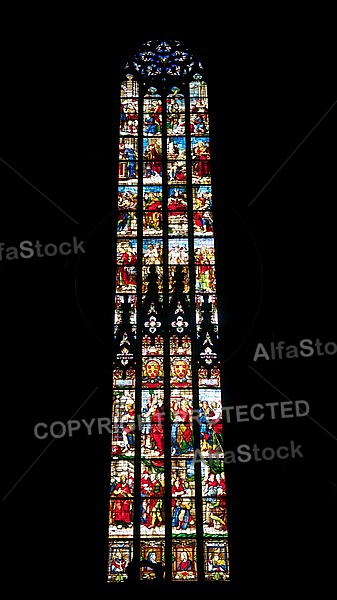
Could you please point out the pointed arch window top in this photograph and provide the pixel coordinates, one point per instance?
(161, 59)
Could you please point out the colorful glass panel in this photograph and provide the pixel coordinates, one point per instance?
(167, 506)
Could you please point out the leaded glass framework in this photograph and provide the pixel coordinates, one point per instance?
(168, 482)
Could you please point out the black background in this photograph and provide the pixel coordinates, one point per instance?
(271, 93)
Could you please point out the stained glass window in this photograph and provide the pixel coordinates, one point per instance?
(168, 479)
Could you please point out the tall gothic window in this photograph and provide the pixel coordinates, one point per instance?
(167, 514)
